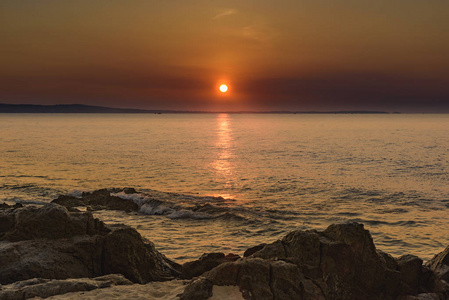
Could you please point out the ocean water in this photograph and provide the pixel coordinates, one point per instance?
(225, 182)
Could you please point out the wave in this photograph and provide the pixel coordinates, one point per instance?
(180, 206)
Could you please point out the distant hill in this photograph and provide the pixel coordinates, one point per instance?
(89, 109)
(67, 108)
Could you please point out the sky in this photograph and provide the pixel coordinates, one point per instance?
(295, 55)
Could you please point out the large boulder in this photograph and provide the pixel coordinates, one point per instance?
(439, 265)
(49, 242)
(43, 288)
(257, 279)
(50, 221)
(340, 262)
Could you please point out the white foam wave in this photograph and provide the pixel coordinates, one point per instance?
(188, 214)
(155, 210)
(139, 199)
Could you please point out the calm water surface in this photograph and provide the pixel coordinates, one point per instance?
(274, 174)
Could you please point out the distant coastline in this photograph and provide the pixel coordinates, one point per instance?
(89, 109)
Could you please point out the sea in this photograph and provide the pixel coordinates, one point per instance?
(226, 182)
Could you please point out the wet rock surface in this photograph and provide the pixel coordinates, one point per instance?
(206, 262)
(43, 288)
(340, 262)
(50, 242)
(99, 199)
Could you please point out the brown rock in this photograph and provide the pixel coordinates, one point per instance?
(252, 250)
(99, 199)
(49, 242)
(206, 262)
(51, 221)
(439, 264)
(274, 250)
(39, 287)
(199, 289)
(287, 282)
(410, 267)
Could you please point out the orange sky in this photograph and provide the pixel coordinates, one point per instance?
(274, 55)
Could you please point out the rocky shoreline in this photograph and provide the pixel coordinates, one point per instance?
(57, 249)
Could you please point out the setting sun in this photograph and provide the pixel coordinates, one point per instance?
(223, 88)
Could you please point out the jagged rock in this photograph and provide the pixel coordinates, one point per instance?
(252, 250)
(199, 289)
(257, 279)
(50, 221)
(271, 251)
(4, 206)
(125, 252)
(129, 190)
(39, 287)
(205, 263)
(410, 267)
(390, 261)
(69, 201)
(7, 219)
(49, 242)
(439, 264)
(97, 200)
(287, 282)
(340, 262)
(252, 275)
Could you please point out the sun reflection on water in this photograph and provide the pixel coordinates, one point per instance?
(222, 164)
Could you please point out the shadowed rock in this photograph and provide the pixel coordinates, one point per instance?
(340, 262)
(252, 250)
(440, 265)
(99, 199)
(39, 287)
(205, 263)
(49, 242)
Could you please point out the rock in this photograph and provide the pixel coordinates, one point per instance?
(129, 190)
(410, 267)
(271, 251)
(39, 287)
(70, 202)
(424, 296)
(205, 263)
(4, 206)
(50, 221)
(199, 289)
(439, 264)
(125, 252)
(287, 282)
(340, 262)
(99, 199)
(304, 246)
(427, 280)
(49, 242)
(6, 222)
(252, 275)
(252, 250)
(389, 261)
(257, 279)
(7, 219)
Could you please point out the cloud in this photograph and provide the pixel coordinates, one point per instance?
(225, 13)
(257, 33)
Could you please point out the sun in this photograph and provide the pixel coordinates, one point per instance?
(223, 88)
